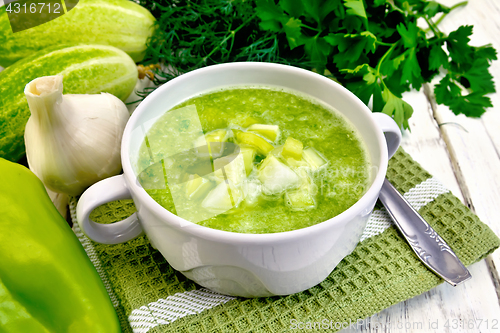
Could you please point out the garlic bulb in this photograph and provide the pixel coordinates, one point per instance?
(60, 200)
(72, 141)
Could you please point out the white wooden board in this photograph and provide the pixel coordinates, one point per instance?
(466, 159)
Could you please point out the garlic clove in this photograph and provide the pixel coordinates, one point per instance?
(60, 201)
(72, 141)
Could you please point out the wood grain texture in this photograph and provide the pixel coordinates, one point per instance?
(465, 155)
(474, 146)
(436, 310)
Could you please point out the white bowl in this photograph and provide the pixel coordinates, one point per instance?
(239, 264)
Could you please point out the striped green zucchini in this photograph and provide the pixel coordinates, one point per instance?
(120, 23)
(87, 69)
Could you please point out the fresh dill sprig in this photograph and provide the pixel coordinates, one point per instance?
(373, 47)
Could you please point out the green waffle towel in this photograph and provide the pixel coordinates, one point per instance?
(150, 296)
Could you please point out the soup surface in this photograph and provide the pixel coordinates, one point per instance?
(253, 160)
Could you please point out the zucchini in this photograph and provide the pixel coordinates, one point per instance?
(299, 200)
(197, 187)
(248, 157)
(120, 23)
(261, 145)
(292, 149)
(276, 177)
(87, 69)
(314, 158)
(230, 167)
(302, 199)
(222, 198)
(270, 132)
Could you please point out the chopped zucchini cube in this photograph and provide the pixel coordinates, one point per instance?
(211, 150)
(248, 157)
(219, 135)
(200, 141)
(193, 183)
(305, 180)
(270, 132)
(222, 198)
(277, 151)
(314, 158)
(236, 132)
(276, 177)
(295, 164)
(233, 166)
(197, 187)
(252, 191)
(299, 200)
(261, 145)
(212, 143)
(292, 149)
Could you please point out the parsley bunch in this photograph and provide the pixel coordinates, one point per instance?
(373, 47)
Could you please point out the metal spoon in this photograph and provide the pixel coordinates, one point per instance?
(431, 249)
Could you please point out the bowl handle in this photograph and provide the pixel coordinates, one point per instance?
(391, 131)
(104, 191)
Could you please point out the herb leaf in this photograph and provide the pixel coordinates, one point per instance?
(373, 47)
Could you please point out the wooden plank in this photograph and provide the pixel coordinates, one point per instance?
(475, 151)
(472, 154)
(424, 143)
(444, 309)
(474, 300)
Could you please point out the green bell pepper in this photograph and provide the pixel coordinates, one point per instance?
(47, 282)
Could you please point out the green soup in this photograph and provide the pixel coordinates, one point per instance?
(253, 160)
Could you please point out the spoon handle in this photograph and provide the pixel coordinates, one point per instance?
(431, 249)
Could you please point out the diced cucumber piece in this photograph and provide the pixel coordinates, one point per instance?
(197, 187)
(270, 132)
(295, 164)
(276, 177)
(248, 157)
(277, 151)
(292, 149)
(314, 158)
(252, 191)
(306, 182)
(302, 198)
(211, 150)
(211, 143)
(261, 145)
(233, 166)
(200, 141)
(236, 132)
(299, 200)
(266, 161)
(219, 135)
(193, 183)
(222, 198)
